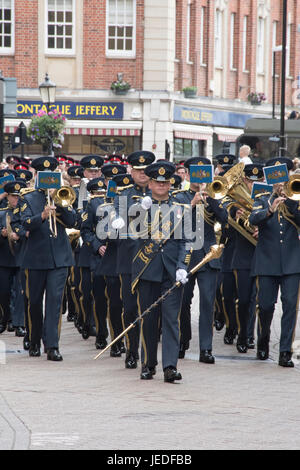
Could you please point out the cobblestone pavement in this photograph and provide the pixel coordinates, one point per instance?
(239, 403)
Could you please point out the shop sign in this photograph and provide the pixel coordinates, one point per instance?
(200, 116)
(74, 110)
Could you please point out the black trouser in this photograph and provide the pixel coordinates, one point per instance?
(114, 305)
(25, 300)
(100, 306)
(267, 293)
(219, 308)
(244, 287)
(17, 310)
(51, 281)
(86, 297)
(6, 282)
(229, 299)
(147, 293)
(129, 315)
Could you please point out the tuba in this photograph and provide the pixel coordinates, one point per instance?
(237, 191)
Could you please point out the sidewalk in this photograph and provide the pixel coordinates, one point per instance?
(239, 403)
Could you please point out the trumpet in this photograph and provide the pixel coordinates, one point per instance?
(62, 197)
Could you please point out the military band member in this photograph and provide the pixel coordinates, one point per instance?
(139, 162)
(6, 172)
(207, 276)
(160, 261)
(46, 261)
(276, 264)
(8, 265)
(92, 165)
(97, 189)
(241, 266)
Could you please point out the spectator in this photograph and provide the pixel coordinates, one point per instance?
(244, 155)
(181, 171)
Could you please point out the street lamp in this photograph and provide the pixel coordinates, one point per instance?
(47, 91)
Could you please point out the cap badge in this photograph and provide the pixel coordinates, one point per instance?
(100, 184)
(172, 180)
(142, 159)
(93, 161)
(126, 181)
(22, 175)
(162, 171)
(255, 171)
(277, 163)
(115, 171)
(46, 163)
(226, 160)
(6, 174)
(17, 187)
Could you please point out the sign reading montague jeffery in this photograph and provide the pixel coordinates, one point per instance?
(74, 110)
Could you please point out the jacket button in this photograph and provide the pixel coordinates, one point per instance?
(281, 241)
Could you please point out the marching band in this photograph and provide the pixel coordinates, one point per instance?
(120, 248)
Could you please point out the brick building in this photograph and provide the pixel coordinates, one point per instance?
(222, 47)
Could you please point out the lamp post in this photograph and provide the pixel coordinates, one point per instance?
(275, 49)
(2, 93)
(48, 92)
(283, 76)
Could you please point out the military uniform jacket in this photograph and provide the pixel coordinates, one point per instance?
(7, 260)
(126, 247)
(278, 249)
(20, 231)
(88, 231)
(229, 233)
(213, 212)
(174, 253)
(43, 250)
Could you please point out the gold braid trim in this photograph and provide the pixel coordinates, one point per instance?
(283, 210)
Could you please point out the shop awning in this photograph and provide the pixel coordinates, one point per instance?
(101, 128)
(226, 134)
(184, 131)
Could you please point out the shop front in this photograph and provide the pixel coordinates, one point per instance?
(97, 127)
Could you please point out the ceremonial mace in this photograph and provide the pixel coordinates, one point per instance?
(214, 253)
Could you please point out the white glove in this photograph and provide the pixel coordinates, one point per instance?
(146, 203)
(118, 224)
(182, 276)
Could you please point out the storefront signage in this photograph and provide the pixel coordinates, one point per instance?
(74, 110)
(210, 117)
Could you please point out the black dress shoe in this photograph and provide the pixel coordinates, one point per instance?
(34, 350)
(171, 374)
(219, 325)
(206, 357)
(70, 317)
(285, 359)
(92, 331)
(54, 355)
(262, 354)
(10, 327)
(130, 361)
(250, 343)
(100, 343)
(229, 337)
(20, 332)
(115, 351)
(26, 343)
(2, 327)
(242, 348)
(121, 347)
(147, 373)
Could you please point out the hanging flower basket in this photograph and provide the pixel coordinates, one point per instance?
(47, 129)
(190, 91)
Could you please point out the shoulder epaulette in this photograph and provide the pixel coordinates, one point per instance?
(96, 195)
(187, 206)
(3, 208)
(25, 191)
(178, 191)
(137, 196)
(125, 187)
(262, 194)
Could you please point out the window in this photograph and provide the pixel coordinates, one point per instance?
(60, 27)
(274, 41)
(202, 36)
(188, 147)
(232, 42)
(261, 46)
(6, 26)
(245, 44)
(120, 27)
(218, 39)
